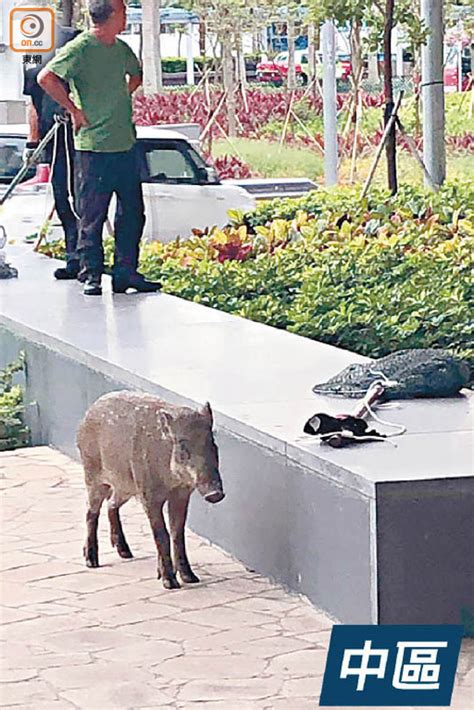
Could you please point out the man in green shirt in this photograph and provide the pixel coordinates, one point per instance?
(102, 73)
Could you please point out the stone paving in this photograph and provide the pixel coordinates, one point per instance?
(114, 638)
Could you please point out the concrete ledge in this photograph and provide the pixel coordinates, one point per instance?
(337, 526)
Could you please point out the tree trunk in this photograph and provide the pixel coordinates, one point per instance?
(312, 77)
(67, 12)
(373, 68)
(291, 81)
(241, 71)
(417, 73)
(229, 85)
(202, 38)
(152, 72)
(356, 53)
(80, 18)
(140, 45)
(180, 38)
(391, 147)
(434, 147)
(328, 40)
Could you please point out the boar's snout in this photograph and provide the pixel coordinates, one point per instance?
(210, 486)
(214, 496)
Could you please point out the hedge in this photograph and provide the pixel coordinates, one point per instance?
(373, 276)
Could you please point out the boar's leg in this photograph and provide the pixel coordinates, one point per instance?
(178, 502)
(154, 510)
(96, 494)
(117, 536)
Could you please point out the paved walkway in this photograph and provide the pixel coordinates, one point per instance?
(114, 638)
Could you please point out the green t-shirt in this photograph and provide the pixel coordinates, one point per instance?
(96, 74)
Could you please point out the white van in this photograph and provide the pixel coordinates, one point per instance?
(181, 191)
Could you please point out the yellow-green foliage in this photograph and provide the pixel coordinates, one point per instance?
(373, 275)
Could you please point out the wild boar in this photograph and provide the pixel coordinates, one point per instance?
(134, 444)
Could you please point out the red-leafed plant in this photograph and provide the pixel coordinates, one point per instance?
(231, 167)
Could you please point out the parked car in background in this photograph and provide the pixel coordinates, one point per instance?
(457, 68)
(276, 71)
(181, 190)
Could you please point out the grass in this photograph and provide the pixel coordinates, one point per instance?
(459, 118)
(268, 159)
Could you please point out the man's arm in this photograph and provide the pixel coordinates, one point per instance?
(134, 82)
(33, 133)
(54, 86)
(33, 124)
(132, 69)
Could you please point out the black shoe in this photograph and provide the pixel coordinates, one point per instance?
(67, 273)
(135, 281)
(92, 287)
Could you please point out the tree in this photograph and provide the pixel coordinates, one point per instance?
(228, 19)
(391, 147)
(151, 31)
(67, 7)
(379, 18)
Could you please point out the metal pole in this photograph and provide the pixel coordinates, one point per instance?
(189, 55)
(392, 119)
(36, 154)
(433, 91)
(459, 48)
(399, 52)
(328, 39)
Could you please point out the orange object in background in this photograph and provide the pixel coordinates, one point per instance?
(43, 175)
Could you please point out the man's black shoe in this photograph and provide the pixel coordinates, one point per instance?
(92, 287)
(135, 281)
(67, 273)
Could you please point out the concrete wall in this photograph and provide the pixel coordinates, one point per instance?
(403, 555)
(425, 545)
(282, 520)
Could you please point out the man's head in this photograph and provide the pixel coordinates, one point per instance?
(108, 14)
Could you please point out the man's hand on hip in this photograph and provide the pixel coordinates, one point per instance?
(79, 119)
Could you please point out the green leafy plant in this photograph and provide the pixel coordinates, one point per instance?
(13, 431)
(373, 276)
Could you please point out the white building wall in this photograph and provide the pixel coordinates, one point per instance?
(170, 44)
(11, 63)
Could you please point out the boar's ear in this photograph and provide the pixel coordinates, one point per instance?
(206, 411)
(166, 420)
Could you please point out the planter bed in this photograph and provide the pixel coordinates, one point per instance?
(375, 534)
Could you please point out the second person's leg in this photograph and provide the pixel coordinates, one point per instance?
(63, 190)
(128, 227)
(95, 185)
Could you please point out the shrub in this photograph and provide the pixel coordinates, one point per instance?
(13, 431)
(175, 65)
(373, 275)
(230, 166)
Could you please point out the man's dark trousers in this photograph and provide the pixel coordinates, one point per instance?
(99, 175)
(63, 190)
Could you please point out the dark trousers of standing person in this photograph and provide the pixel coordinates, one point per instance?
(64, 196)
(99, 175)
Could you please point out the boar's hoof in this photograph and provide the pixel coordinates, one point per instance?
(125, 552)
(92, 556)
(214, 497)
(188, 577)
(171, 583)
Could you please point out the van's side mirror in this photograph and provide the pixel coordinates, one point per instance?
(208, 176)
